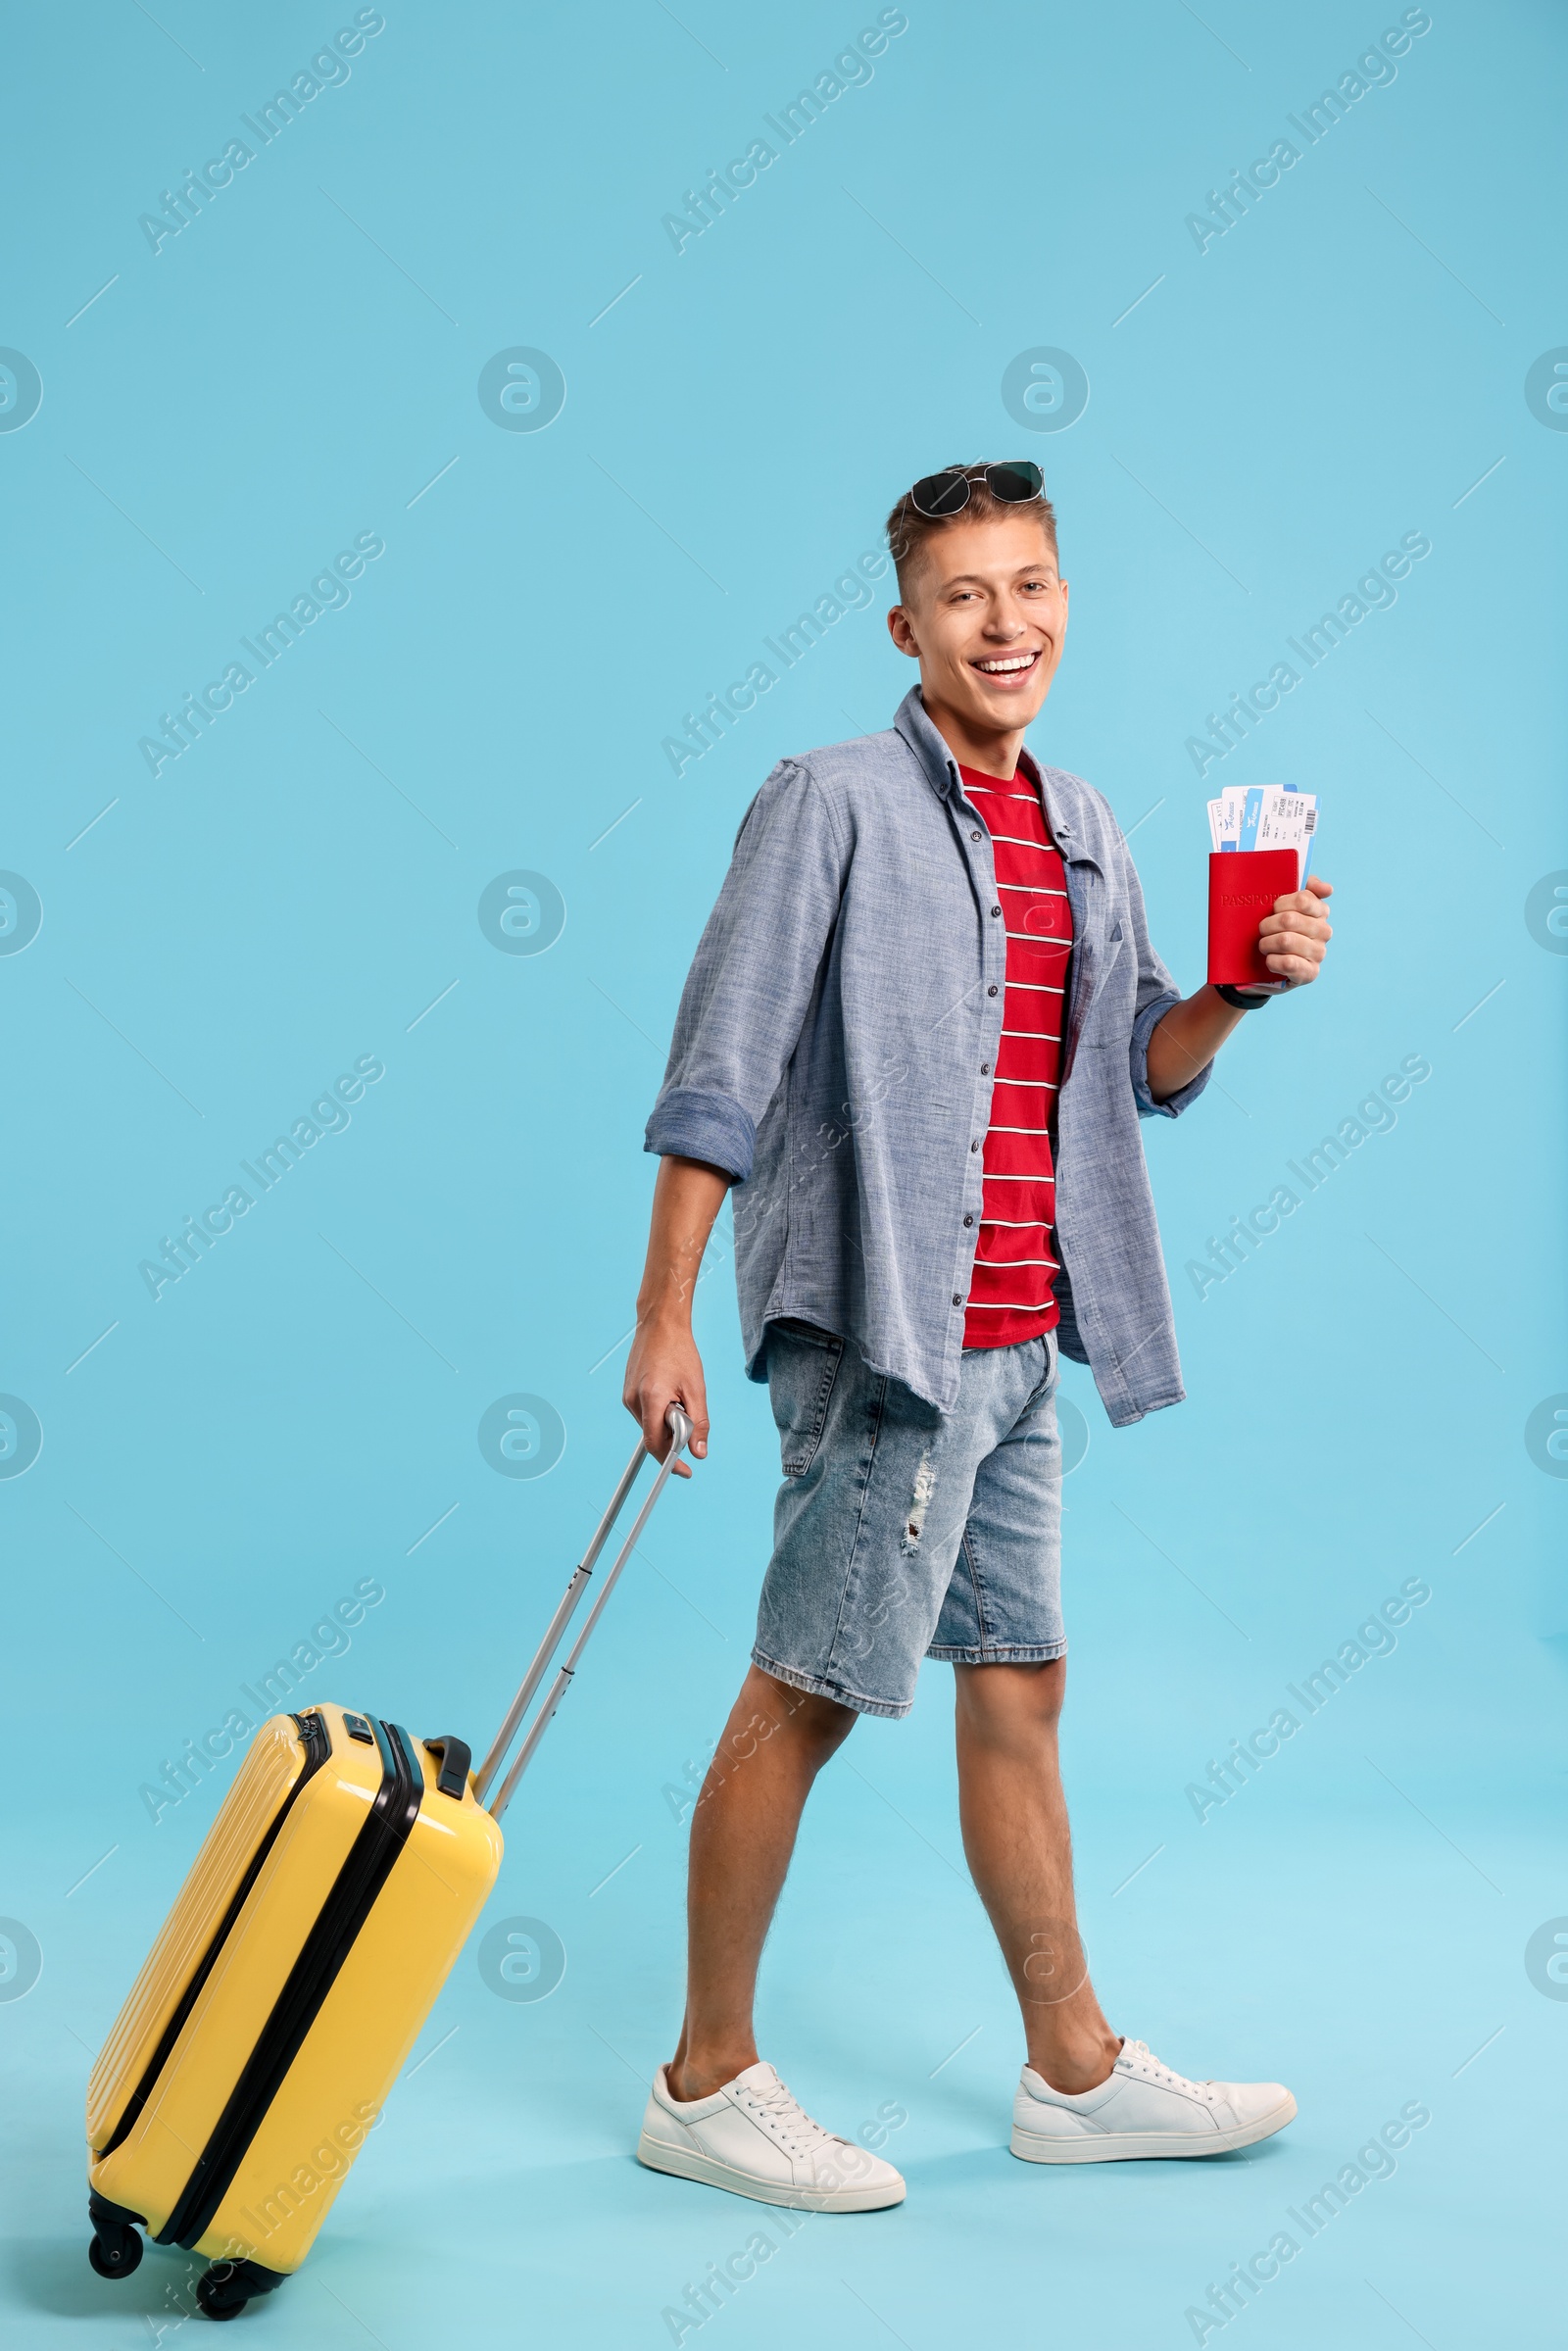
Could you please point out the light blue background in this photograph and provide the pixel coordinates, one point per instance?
(1343, 367)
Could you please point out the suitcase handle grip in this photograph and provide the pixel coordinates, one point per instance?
(454, 1757)
(680, 1429)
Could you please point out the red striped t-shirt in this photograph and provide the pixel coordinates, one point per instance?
(1010, 1297)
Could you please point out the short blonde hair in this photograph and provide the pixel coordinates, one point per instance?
(908, 530)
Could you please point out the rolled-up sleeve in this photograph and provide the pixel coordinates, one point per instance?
(750, 982)
(1157, 994)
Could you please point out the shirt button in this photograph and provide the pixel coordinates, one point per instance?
(968, 1220)
(996, 909)
(957, 1300)
(974, 1147)
(985, 1069)
(991, 992)
(974, 836)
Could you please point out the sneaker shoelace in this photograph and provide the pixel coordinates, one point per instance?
(782, 2111)
(1166, 2076)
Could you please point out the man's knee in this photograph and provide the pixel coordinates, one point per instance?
(819, 1724)
(1009, 1701)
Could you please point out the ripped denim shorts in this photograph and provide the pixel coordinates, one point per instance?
(901, 1531)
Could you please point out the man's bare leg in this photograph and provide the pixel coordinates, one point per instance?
(743, 1833)
(1019, 1851)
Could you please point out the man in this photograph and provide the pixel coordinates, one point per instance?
(920, 1028)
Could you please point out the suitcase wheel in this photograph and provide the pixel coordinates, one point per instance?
(116, 2248)
(115, 2252)
(223, 2291)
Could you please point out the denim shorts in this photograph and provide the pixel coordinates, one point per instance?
(901, 1531)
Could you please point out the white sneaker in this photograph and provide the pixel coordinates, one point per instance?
(1144, 2109)
(753, 2137)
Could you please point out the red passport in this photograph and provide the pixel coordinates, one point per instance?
(1243, 885)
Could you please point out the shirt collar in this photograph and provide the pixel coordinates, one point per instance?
(928, 746)
(941, 769)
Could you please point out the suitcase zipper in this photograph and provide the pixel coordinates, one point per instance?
(316, 1740)
(360, 1880)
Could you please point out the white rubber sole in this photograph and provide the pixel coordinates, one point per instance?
(684, 2163)
(1127, 2146)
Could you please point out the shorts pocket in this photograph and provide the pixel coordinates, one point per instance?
(802, 1363)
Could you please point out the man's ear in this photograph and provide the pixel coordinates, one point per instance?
(900, 630)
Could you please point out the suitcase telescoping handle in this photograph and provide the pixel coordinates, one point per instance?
(680, 1429)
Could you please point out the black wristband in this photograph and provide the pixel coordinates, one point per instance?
(1244, 999)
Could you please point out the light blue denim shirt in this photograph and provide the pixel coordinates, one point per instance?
(833, 1052)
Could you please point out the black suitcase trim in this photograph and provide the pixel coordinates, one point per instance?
(369, 1863)
(316, 1740)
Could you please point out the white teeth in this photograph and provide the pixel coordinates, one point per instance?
(1021, 660)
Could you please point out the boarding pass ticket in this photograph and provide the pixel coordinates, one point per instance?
(1265, 816)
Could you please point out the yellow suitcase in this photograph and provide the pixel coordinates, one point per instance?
(323, 1913)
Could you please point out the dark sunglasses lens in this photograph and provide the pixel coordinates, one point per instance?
(941, 494)
(1013, 483)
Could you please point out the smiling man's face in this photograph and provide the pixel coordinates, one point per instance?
(985, 616)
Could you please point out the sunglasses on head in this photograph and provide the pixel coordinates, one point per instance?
(938, 495)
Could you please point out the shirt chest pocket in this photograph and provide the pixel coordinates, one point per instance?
(1112, 979)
